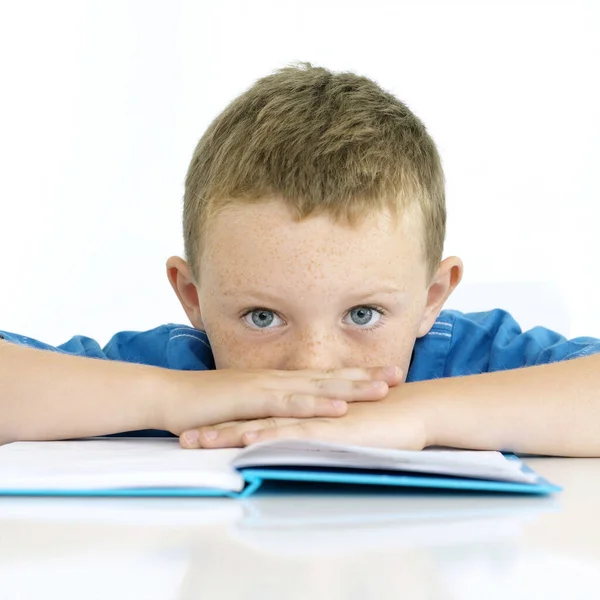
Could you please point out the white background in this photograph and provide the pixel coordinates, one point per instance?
(103, 102)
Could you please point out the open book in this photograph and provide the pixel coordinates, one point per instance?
(159, 467)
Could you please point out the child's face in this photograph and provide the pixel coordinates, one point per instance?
(275, 293)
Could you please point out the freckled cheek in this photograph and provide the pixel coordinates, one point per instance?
(383, 351)
(234, 351)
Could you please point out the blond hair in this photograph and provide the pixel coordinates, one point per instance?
(324, 142)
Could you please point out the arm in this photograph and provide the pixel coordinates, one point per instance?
(551, 409)
(48, 395)
(548, 409)
(481, 383)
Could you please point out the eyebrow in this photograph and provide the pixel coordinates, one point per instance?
(381, 292)
(260, 296)
(366, 294)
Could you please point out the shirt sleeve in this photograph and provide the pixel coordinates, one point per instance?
(146, 347)
(493, 341)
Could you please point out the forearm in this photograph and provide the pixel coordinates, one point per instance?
(552, 409)
(46, 395)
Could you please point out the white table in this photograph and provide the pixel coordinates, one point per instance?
(307, 546)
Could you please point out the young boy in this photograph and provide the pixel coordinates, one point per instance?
(314, 222)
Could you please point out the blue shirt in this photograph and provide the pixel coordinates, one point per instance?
(457, 344)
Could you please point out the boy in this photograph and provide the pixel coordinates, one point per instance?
(314, 222)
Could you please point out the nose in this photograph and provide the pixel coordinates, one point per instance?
(313, 351)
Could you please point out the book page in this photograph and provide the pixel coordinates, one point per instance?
(460, 463)
(115, 463)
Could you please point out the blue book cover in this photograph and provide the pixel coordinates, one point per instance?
(160, 467)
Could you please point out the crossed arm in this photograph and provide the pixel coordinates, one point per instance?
(552, 409)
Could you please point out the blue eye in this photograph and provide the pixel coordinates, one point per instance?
(262, 318)
(363, 316)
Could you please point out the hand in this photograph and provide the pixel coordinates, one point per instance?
(398, 421)
(219, 396)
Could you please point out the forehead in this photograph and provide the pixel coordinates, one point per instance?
(262, 244)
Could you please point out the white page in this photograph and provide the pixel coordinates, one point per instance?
(462, 463)
(109, 463)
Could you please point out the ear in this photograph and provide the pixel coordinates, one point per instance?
(182, 282)
(446, 278)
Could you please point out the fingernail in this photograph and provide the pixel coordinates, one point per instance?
(211, 434)
(392, 371)
(377, 384)
(250, 436)
(338, 403)
(191, 438)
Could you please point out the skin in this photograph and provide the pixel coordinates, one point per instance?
(308, 275)
(331, 295)
(48, 395)
(311, 274)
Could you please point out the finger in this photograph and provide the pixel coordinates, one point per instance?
(231, 437)
(291, 406)
(342, 431)
(391, 374)
(277, 404)
(192, 438)
(350, 391)
(321, 429)
(228, 424)
(340, 389)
